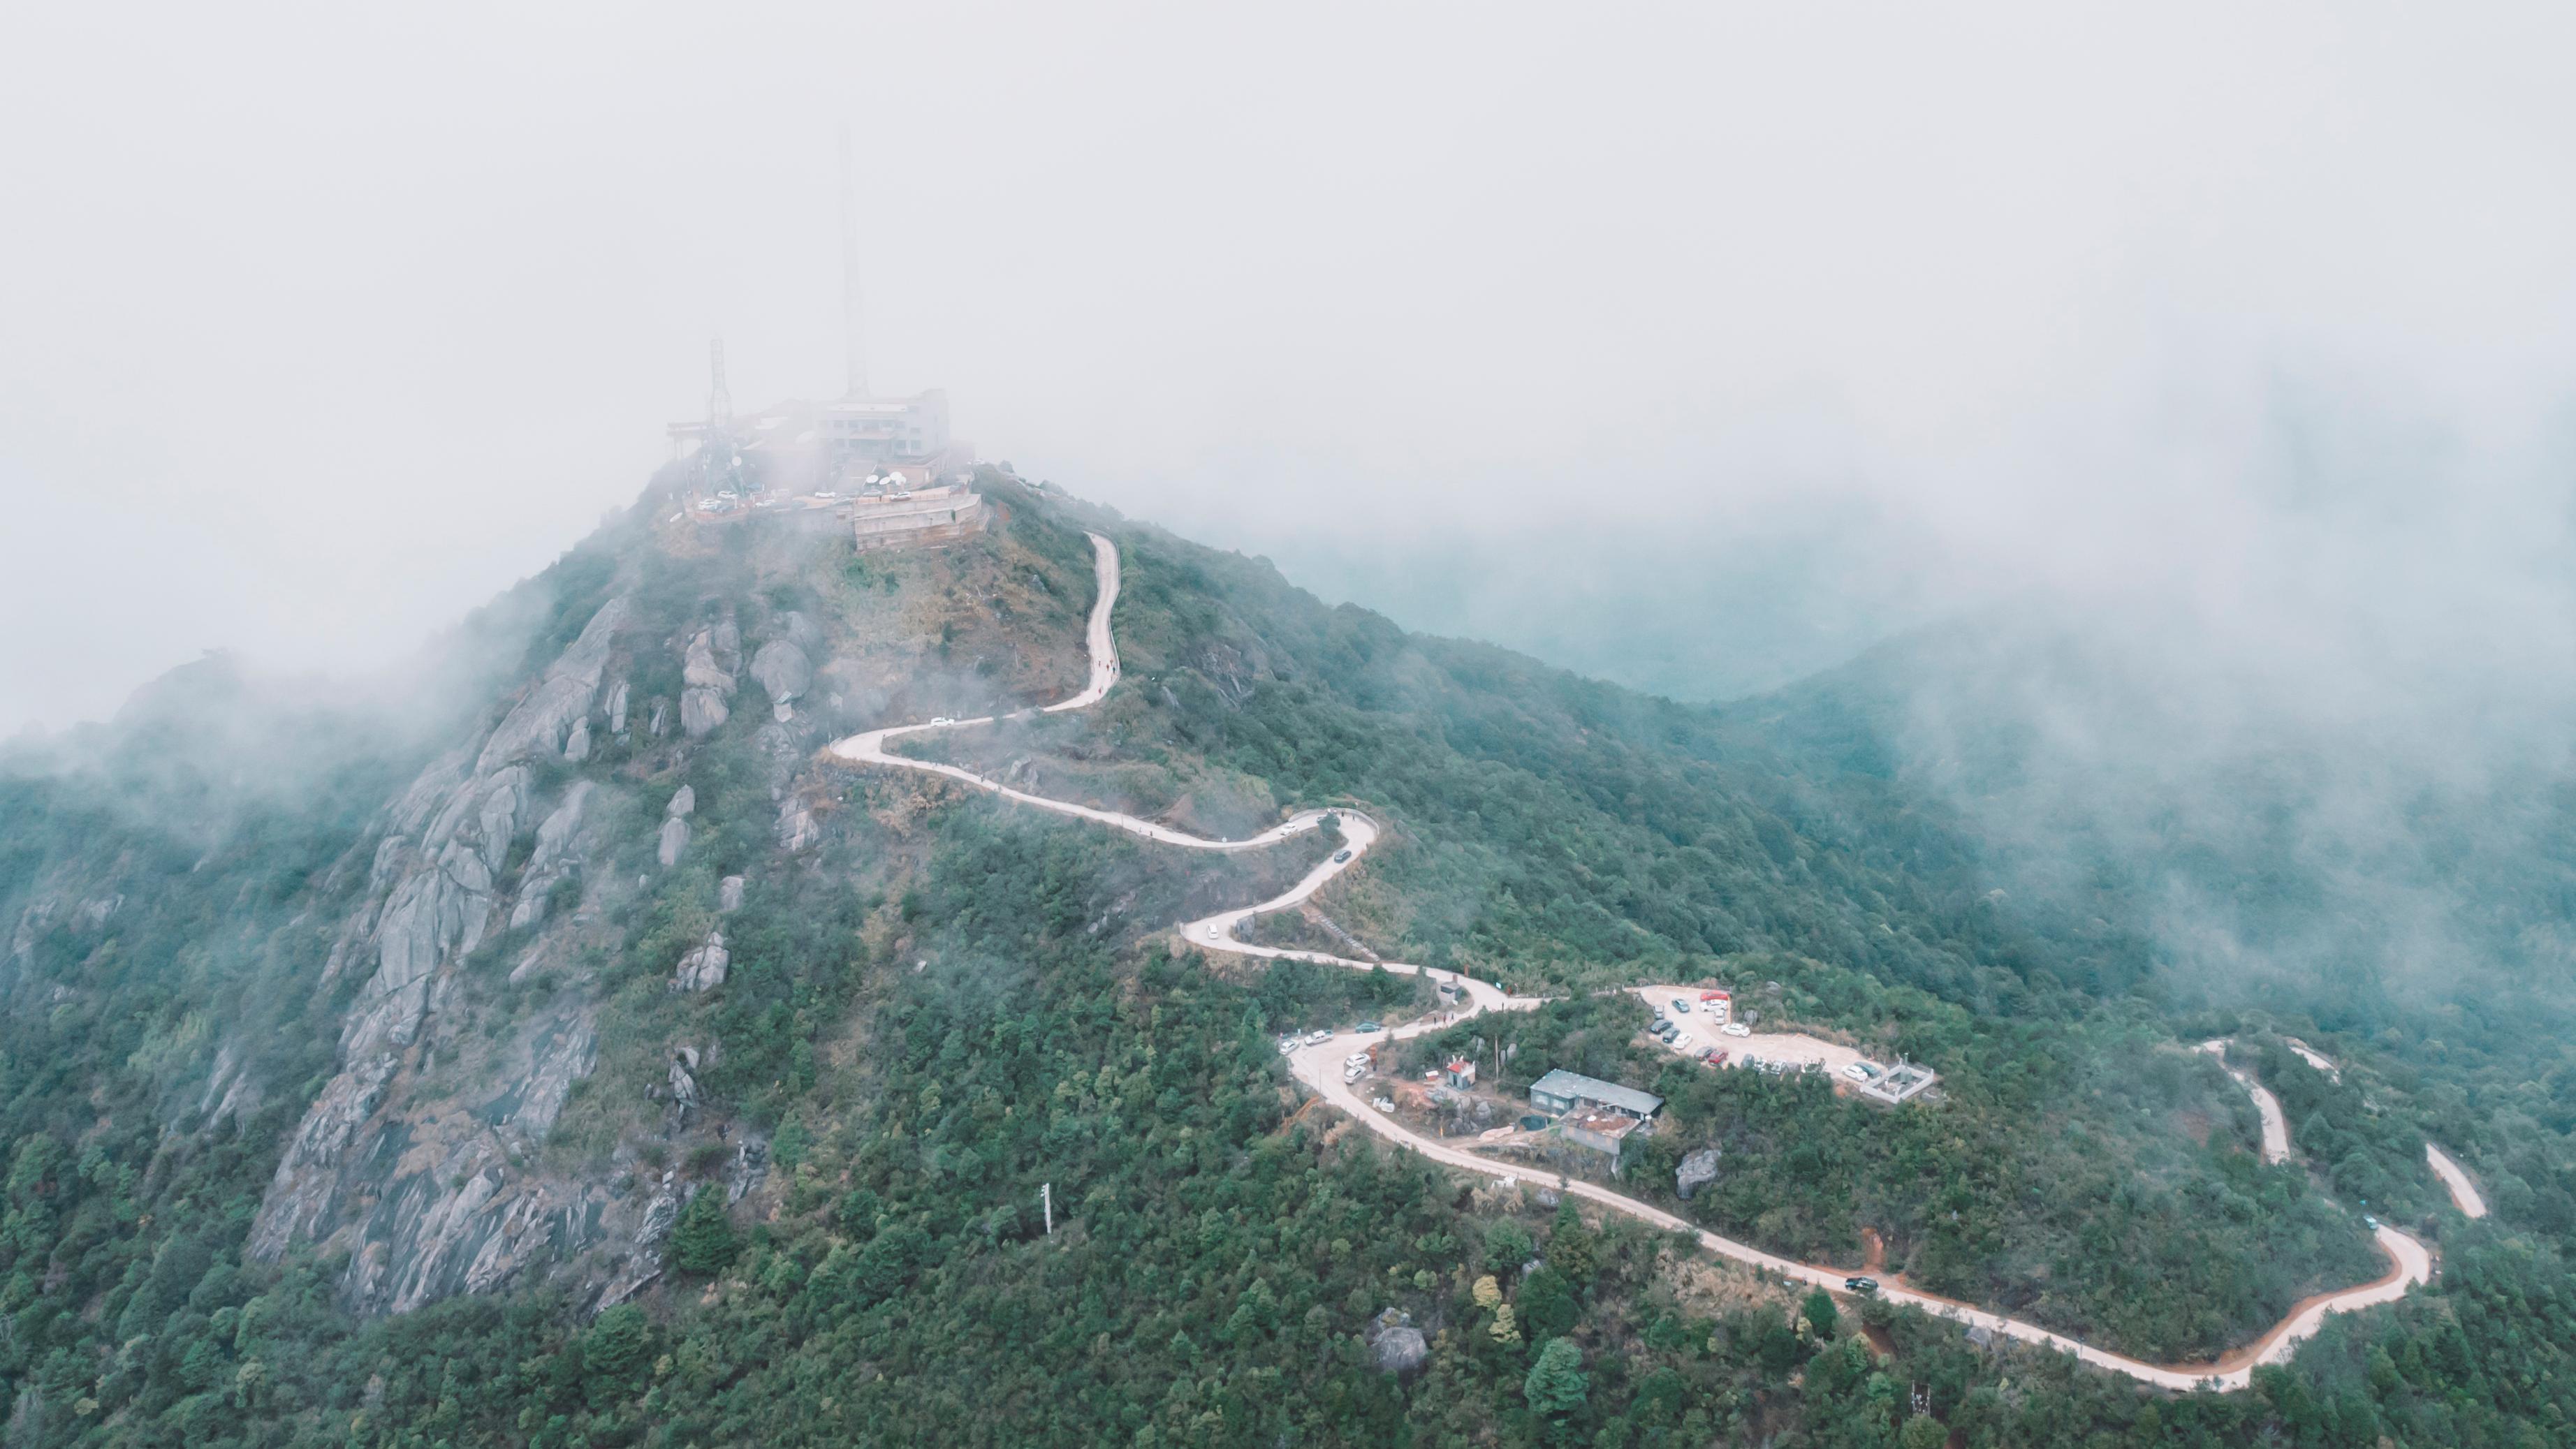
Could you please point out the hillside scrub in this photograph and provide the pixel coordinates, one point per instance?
(942, 1003)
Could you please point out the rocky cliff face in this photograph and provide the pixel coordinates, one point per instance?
(606, 823)
(424, 1191)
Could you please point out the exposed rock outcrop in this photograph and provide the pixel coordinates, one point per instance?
(729, 894)
(538, 723)
(1395, 1345)
(703, 967)
(796, 826)
(438, 906)
(684, 803)
(564, 1055)
(446, 1212)
(577, 744)
(301, 1193)
(702, 711)
(706, 683)
(784, 671)
(1696, 1171)
(554, 857)
(802, 632)
(750, 1168)
(675, 838)
(644, 1264)
(617, 708)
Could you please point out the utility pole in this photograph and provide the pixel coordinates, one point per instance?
(1046, 1202)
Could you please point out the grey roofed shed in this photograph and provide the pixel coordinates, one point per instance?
(1561, 1089)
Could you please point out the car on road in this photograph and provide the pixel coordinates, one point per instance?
(1681, 1006)
(1366, 1026)
(1318, 1038)
(1860, 1285)
(1736, 1028)
(941, 720)
(1341, 856)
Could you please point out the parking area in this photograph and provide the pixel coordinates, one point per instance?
(1699, 1031)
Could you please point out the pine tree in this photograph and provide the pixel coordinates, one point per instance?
(1556, 1382)
(1547, 1305)
(1570, 1245)
(1820, 1313)
(703, 1240)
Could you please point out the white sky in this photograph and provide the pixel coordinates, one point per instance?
(317, 327)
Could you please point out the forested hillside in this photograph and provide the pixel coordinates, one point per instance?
(791, 1195)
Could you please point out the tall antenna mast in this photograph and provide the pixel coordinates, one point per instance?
(852, 338)
(719, 397)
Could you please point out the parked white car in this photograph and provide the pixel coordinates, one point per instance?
(1318, 1038)
(1857, 1072)
(1353, 1074)
(1736, 1028)
(1356, 1059)
(1682, 1041)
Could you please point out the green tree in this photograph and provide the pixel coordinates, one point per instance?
(1821, 1313)
(1556, 1384)
(1507, 1246)
(703, 1240)
(614, 1352)
(1923, 1432)
(1571, 1248)
(1547, 1304)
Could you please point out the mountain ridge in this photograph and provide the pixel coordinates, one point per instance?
(819, 1056)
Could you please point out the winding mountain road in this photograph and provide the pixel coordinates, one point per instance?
(1319, 1065)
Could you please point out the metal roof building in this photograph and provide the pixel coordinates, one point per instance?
(1561, 1090)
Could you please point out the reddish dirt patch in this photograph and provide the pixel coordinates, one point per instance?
(1883, 1345)
(1873, 1251)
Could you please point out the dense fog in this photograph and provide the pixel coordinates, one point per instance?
(1700, 350)
(319, 329)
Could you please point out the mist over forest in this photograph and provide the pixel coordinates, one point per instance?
(1154, 726)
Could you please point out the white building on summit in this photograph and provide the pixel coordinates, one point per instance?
(859, 445)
